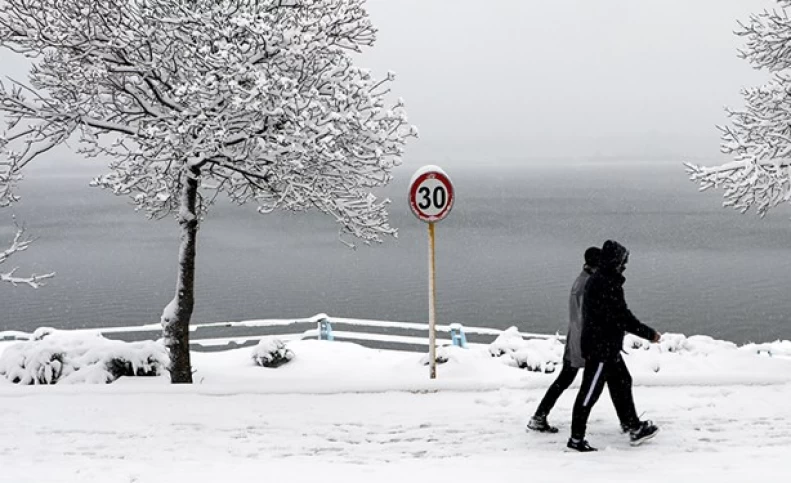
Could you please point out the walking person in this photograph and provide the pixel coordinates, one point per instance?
(607, 319)
(572, 354)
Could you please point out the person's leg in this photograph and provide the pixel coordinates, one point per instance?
(593, 380)
(563, 381)
(619, 383)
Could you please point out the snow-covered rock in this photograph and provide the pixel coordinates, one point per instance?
(64, 357)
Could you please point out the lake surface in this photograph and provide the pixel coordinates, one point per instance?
(507, 255)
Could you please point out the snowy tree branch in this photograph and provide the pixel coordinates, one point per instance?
(20, 244)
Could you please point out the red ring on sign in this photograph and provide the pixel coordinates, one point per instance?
(413, 196)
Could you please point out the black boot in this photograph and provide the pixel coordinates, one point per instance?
(580, 445)
(642, 433)
(539, 423)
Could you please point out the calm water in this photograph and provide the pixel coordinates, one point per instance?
(507, 255)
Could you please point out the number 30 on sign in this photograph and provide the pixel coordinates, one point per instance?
(431, 194)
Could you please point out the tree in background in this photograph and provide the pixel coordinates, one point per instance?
(759, 137)
(188, 99)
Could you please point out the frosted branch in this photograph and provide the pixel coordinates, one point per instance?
(20, 244)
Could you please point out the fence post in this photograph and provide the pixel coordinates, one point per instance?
(325, 329)
(457, 335)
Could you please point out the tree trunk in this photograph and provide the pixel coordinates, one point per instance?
(176, 316)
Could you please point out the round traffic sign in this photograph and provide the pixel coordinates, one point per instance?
(431, 194)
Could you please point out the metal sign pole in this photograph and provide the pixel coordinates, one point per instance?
(432, 316)
(431, 196)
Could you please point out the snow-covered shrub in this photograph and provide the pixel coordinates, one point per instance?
(507, 342)
(652, 356)
(43, 366)
(122, 367)
(778, 348)
(60, 357)
(679, 343)
(442, 355)
(42, 332)
(272, 352)
(539, 355)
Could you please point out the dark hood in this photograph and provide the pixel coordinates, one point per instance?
(613, 255)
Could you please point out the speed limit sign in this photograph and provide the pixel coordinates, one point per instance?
(431, 194)
(431, 199)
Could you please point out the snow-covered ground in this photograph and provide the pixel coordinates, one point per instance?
(341, 412)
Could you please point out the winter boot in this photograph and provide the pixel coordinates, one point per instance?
(539, 423)
(642, 433)
(580, 445)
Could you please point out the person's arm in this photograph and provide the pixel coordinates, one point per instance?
(627, 321)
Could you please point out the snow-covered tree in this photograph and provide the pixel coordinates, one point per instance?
(20, 243)
(188, 99)
(759, 136)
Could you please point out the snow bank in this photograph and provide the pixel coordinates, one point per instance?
(695, 345)
(696, 358)
(331, 367)
(64, 357)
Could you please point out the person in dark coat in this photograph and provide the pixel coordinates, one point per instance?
(607, 318)
(572, 354)
(573, 360)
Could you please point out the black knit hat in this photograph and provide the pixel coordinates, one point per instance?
(592, 256)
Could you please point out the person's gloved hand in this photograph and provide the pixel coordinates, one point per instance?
(657, 336)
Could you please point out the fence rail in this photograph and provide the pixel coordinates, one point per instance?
(375, 333)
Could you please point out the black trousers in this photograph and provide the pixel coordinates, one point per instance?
(616, 375)
(563, 381)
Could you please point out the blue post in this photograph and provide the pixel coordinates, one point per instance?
(325, 330)
(457, 336)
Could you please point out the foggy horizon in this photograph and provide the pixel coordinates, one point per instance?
(529, 82)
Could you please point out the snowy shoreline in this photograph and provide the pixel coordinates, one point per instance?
(339, 410)
(332, 367)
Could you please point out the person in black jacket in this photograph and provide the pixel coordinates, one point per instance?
(606, 319)
(573, 360)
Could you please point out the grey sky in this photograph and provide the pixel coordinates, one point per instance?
(516, 79)
(512, 80)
